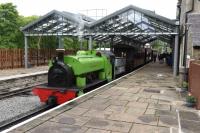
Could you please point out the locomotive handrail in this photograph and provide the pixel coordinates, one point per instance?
(85, 57)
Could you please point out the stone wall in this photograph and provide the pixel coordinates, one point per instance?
(193, 26)
(197, 6)
(194, 35)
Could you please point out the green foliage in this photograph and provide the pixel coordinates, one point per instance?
(10, 23)
(52, 42)
(71, 43)
(42, 42)
(74, 43)
(25, 20)
(161, 46)
(191, 99)
(157, 46)
(12, 37)
(185, 84)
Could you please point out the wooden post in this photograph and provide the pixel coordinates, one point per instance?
(12, 60)
(26, 51)
(37, 57)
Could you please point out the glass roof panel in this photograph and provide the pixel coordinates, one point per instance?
(132, 20)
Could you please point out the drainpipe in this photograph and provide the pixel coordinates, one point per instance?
(176, 44)
(185, 41)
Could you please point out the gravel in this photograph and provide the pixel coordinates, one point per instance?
(15, 106)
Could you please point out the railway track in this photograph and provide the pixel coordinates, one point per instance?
(19, 91)
(22, 83)
(22, 117)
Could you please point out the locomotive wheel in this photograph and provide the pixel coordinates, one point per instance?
(52, 101)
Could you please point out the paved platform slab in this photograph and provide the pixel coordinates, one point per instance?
(144, 102)
(9, 73)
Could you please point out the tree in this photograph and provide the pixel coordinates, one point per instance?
(161, 46)
(12, 37)
(8, 25)
(22, 21)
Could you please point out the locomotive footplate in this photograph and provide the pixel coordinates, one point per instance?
(61, 95)
(57, 95)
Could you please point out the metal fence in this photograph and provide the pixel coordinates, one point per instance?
(14, 58)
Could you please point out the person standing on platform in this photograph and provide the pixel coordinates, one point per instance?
(154, 58)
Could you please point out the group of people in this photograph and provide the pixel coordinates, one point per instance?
(164, 57)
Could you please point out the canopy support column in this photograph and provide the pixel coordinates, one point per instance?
(60, 42)
(26, 51)
(111, 44)
(90, 43)
(99, 46)
(176, 51)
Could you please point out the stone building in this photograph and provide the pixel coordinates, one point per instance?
(188, 12)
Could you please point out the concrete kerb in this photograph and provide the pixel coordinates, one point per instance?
(22, 76)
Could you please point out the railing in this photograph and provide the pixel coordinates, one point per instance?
(14, 58)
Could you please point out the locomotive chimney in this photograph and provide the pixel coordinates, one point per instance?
(60, 54)
(60, 51)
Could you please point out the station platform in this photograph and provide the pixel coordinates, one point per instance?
(11, 73)
(144, 101)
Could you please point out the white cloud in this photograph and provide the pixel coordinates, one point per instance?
(165, 8)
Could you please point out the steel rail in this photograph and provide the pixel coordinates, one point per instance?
(19, 91)
(22, 117)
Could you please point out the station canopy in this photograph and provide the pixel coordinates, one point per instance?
(130, 24)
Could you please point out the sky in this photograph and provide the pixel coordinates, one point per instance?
(166, 8)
